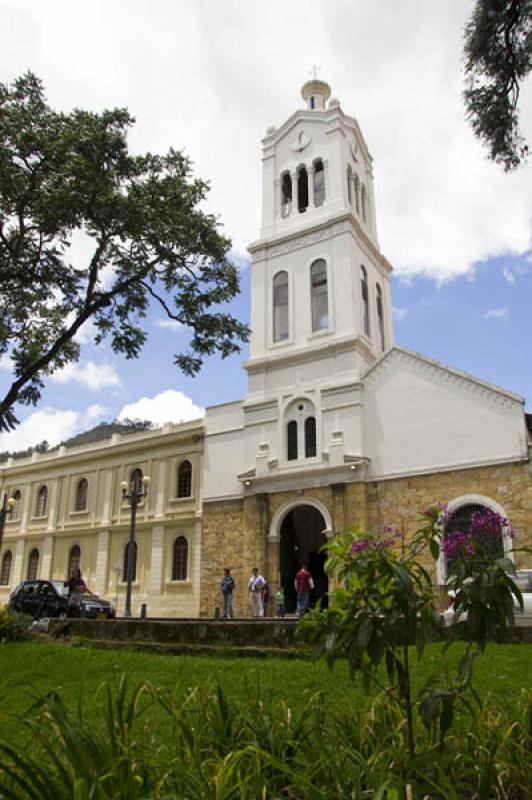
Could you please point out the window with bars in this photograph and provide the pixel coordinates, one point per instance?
(460, 521)
(319, 295)
(319, 184)
(42, 502)
(291, 440)
(280, 306)
(14, 513)
(82, 491)
(33, 565)
(310, 437)
(125, 571)
(74, 561)
(180, 559)
(184, 479)
(5, 572)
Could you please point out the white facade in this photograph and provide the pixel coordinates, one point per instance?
(379, 411)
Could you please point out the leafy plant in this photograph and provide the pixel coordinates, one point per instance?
(13, 626)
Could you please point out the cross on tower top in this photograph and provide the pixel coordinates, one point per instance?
(314, 72)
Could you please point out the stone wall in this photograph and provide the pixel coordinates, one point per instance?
(235, 532)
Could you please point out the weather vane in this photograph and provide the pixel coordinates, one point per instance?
(314, 72)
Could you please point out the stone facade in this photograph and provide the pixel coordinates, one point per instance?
(237, 533)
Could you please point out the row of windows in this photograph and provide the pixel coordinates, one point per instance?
(319, 302)
(183, 489)
(357, 191)
(301, 188)
(179, 562)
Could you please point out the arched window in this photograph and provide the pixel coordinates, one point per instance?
(365, 299)
(286, 194)
(74, 561)
(460, 521)
(280, 306)
(349, 184)
(302, 189)
(33, 565)
(380, 317)
(357, 194)
(291, 440)
(126, 562)
(364, 203)
(180, 559)
(319, 184)
(312, 102)
(184, 479)
(81, 495)
(319, 296)
(135, 481)
(15, 511)
(310, 437)
(5, 573)
(42, 502)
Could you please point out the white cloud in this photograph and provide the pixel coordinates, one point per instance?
(6, 363)
(96, 411)
(508, 276)
(49, 424)
(93, 376)
(399, 313)
(169, 324)
(167, 406)
(496, 313)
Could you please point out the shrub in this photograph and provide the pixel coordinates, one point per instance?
(13, 626)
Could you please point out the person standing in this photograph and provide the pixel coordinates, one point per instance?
(227, 585)
(255, 586)
(279, 602)
(303, 584)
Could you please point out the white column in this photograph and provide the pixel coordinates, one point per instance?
(52, 507)
(107, 480)
(18, 563)
(161, 486)
(46, 561)
(26, 505)
(102, 562)
(157, 560)
(196, 571)
(295, 194)
(310, 174)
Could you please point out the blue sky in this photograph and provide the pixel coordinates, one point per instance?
(209, 78)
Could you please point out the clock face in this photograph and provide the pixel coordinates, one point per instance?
(300, 141)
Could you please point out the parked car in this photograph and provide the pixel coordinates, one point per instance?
(523, 579)
(87, 605)
(50, 599)
(40, 599)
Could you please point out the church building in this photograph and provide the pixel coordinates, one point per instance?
(339, 427)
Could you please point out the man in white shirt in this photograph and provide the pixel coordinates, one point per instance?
(255, 586)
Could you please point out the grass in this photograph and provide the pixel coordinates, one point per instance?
(31, 669)
(271, 728)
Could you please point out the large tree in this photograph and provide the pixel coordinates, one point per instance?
(498, 57)
(65, 177)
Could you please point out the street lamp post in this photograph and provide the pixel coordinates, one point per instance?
(134, 496)
(7, 505)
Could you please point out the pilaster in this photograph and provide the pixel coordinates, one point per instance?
(102, 563)
(157, 560)
(46, 560)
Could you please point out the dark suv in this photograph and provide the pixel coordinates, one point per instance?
(40, 599)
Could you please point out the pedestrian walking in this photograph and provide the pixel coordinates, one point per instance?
(255, 586)
(228, 585)
(303, 584)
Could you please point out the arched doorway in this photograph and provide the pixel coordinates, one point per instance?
(301, 539)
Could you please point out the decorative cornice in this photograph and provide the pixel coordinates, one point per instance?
(304, 354)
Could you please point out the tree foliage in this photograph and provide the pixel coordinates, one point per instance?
(64, 176)
(498, 57)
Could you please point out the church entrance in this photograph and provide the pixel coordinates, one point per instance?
(302, 537)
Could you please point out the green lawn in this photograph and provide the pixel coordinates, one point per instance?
(31, 669)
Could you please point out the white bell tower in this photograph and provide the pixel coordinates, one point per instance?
(321, 305)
